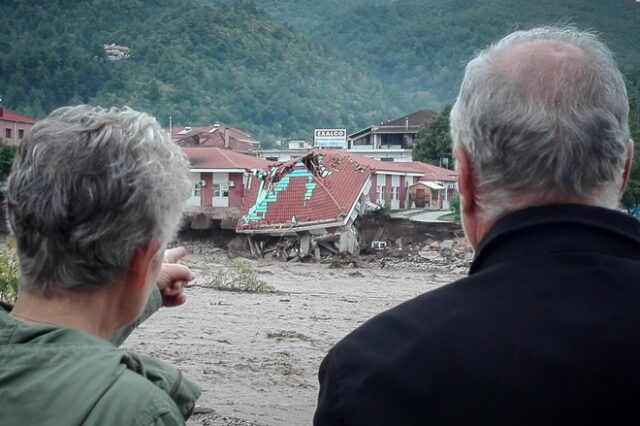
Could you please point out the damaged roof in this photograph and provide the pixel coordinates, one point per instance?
(317, 190)
(206, 158)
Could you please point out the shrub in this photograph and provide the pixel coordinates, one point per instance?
(454, 203)
(383, 210)
(239, 276)
(9, 273)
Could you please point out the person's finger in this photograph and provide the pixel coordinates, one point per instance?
(173, 255)
(174, 288)
(176, 272)
(172, 301)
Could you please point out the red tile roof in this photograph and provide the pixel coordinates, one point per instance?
(218, 158)
(11, 116)
(321, 187)
(432, 172)
(385, 166)
(213, 136)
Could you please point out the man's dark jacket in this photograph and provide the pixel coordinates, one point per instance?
(544, 331)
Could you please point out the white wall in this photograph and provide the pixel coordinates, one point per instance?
(194, 200)
(219, 200)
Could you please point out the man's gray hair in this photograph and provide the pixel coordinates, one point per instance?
(88, 188)
(559, 134)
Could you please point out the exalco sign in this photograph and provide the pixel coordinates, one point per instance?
(331, 132)
(330, 138)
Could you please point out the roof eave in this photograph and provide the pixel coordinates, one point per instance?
(305, 226)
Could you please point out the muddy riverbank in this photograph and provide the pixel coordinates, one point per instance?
(256, 355)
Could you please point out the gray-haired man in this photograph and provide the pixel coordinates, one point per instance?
(544, 330)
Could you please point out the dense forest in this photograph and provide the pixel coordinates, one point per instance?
(420, 47)
(199, 64)
(278, 68)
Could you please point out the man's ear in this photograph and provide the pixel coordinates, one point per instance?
(142, 263)
(627, 167)
(466, 186)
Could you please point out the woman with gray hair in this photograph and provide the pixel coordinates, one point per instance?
(93, 199)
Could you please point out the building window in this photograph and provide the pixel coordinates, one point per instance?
(380, 193)
(395, 192)
(7, 133)
(196, 189)
(220, 190)
(20, 133)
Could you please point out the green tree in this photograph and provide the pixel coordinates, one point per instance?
(433, 142)
(631, 197)
(455, 206)
(7, 153)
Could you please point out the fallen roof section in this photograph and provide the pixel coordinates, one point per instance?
(318, 190)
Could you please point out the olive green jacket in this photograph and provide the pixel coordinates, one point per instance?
(51, 375)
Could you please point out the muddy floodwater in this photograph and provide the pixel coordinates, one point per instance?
(256, 355)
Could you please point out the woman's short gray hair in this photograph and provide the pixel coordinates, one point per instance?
(88, 188)
(556, 136)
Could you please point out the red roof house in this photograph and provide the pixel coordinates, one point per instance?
(319, 190)
(216, 136)
(204, 158)
(219, 177)
(14, 127)
(435, 173)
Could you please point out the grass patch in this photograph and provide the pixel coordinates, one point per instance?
(9, 273)
(239, 276)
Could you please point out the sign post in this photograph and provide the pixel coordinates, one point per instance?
(330, 138)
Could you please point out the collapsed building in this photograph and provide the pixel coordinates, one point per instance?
(305, 207)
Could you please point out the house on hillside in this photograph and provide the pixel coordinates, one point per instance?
(14, 127)
(219, 178)
(116, 52)
(215, 136)
(391, 140)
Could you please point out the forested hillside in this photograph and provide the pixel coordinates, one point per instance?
(278, 68)
(420, 47)
(200, 64)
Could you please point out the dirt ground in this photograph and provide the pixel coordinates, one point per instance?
(256, 355)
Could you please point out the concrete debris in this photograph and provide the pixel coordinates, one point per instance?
(304, 246)
(451, 256)
(428, 247)
(200, 221)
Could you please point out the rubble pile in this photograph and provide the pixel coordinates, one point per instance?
(299, 247)
(447, 256)
(453, 255)
(199, 247)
